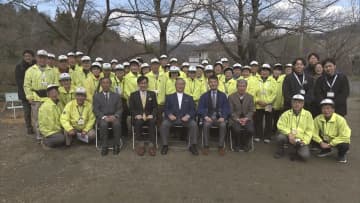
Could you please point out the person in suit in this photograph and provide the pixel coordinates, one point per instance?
(143, 107)
(214, 109)
(241, 120)
(179, 110)
(107, 109)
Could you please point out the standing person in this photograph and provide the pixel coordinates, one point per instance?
(229, 82)
(130, 80)
(62, 67)
(299, 83)
(278, 104)
(174, 73)
(333, 85)
(51, 62)
(214, 109)
(237, 71)
(255, 69)
(193, 85)
(319, 71)
(79, 77)
(66, 90)
(107, 107)
(91, 83)
(143, 107)
(26, 62)
(36, 80)
(241, 120)
(331, 131)
(313, 59)
(264, 98)
(49, 119)
(219, 70)
(179, 110)
(295, 127)
(288, 69)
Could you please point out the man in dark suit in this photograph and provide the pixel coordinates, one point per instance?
(242, 110)
(143, 108)
(179, 110)
(107, 109)
(214, 109)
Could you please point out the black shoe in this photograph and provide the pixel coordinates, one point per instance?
(324, 153)
(116, 149)
(236, 149)
(193, 150)
(30, 131)
(342, 159)
(104, 151)
(164, 150)
(279, 154)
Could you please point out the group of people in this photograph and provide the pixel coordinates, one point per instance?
(66, 98)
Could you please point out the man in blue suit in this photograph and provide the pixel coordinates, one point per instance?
(179, 110)
(214, 109)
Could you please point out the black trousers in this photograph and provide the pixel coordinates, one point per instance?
(342, 148)
(242, 134)
(104, 132)
(276, 115)
(27, 113)
(261, 131)
(139, 123)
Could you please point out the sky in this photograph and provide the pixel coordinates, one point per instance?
(49, 7)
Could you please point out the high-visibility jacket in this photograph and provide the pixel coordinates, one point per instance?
(78, 78)
(117, 85)
(92, 85)
(301, 125)
(49, 118)
(334, 131)
(157, 84)
(229, 86)
(221, 77)
(66, 96)
(130, 84)
(265, 91)
(251, 85)
(35, 80)
(170, 86)
(193, 87)
(73, 113)
(279, 98)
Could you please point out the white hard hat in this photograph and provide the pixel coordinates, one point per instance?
(62, 58)
(80, 90)
(289, 65)
(135, 61)
(70, 54)
(85, 58)
(126, 64)
(254, 63)
(173, 60)
(79, 53)
(327, 101)
(174, 69)
(99, 59)
(266, 66)
(163, 56)
(145, 65)
(42, 52)
(154, 60)
(246, 67)
(96, 64)
(218, 63)
(192, 69)
(224, 60)
(50, 55)
(106, 66)
(237, 65)
(298, 97)
(52, 86)
(209, 67)
(119, 67)
(64, 76)
(204, 62)
(185, 64)
(114, 61)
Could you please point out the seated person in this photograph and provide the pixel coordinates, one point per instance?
(78, 118)
(107, 107)
(242, 110)
(295, 127)
(179, 110)
(49, 119)
(214, 109)
(143, 108)
(331, 131)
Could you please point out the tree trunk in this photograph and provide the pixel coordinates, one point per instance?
(163, 41)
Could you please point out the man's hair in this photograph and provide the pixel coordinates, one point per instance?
(328, 60)
(179, 79)
(142, 78)
(313, 54)
(105, 78)
(241, 81)
(213, 77)
(28, 51)
(299, 59)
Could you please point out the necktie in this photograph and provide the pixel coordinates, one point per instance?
(213, 99)
(106, 97)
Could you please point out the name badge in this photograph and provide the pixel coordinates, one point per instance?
(81, 121)
(293, 131)
(302, 91)
(330, 94)
(45, 84)
(117, 90)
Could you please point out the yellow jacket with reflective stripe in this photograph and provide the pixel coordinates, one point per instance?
(193, 87)
(35, 79)
(71, 115)
(229, 86)
(170, 86)
(65, 97)
(334, 131)
(279, 98)
(265, 91)
(130, 84)
(157, 84)
(117, 86)
(49, 118)
(78, 78)
(303, 124)
(92, 85)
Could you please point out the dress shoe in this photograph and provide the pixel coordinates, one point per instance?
(152, 151)
(140, 150)
(205, 151)
(193, 150)
(164, 149)
(104, 151)
(221, 151)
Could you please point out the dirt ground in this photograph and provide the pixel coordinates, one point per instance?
(80, 174)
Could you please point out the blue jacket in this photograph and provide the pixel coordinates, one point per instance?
(222, 105)
(172, 106)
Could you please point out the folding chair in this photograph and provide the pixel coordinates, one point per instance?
(177, 128)
(251, 144)
(145, 131)
(12, 98)
(97, 138)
